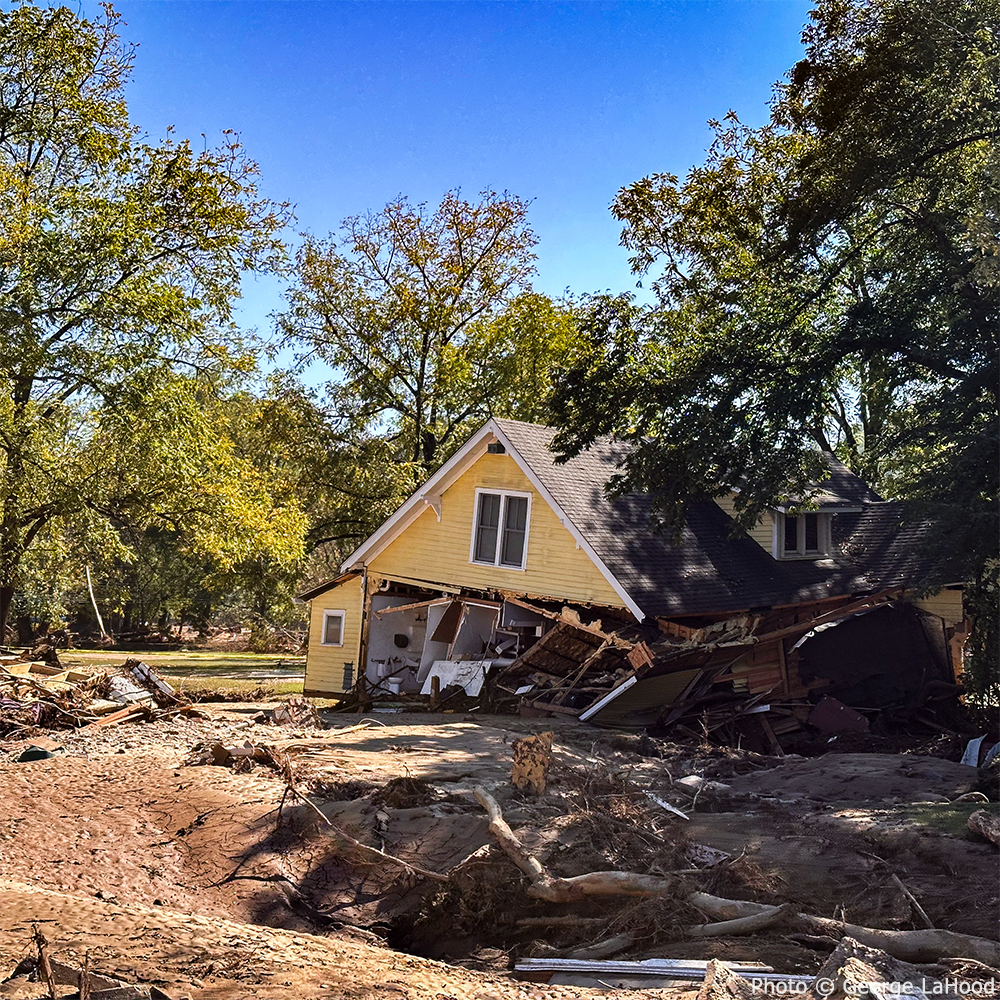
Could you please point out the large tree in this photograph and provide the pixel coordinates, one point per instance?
(426, 316)
(828, 280)
(119, 264)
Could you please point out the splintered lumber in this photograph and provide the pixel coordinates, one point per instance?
(127, 714)
(853, 964)
(722, 983)
(44, 968)
(584, 667)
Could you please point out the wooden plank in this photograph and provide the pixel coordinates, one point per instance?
(545, 706)
(783, 662)
(771, 738)
(414, 607)
(558, 618)
(584, 667)
(871, 601)
(126, 714)
(674, 629)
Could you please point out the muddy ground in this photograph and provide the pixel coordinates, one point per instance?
(210, 881)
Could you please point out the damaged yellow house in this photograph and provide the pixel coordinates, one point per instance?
(470, 569)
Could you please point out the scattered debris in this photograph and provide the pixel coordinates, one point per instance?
(297, 711)
(36, 693)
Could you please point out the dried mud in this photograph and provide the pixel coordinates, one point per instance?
(214, 883)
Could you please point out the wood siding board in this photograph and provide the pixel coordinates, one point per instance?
(946, 604)
(763, 530)
(325, 664)
(555, 566)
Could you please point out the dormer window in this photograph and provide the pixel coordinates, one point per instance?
(802, 536)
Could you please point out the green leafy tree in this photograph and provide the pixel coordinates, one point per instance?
(177, 520)
(428, 321)
(829, 279)
(119, 265)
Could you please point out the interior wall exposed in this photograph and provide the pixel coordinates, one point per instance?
(386, 653)
(878, 658)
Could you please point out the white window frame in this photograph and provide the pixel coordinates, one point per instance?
(823, 536)
(504, 495)
(329, 613)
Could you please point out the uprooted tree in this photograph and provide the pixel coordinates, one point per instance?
(830, 281)
(119, 264)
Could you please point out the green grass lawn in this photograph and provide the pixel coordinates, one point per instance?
(195, 663)
(237, 685)
(273, 675)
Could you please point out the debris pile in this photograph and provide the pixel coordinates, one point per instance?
(749, 680)
(40, 693)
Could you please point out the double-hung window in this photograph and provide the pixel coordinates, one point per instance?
(500, 529)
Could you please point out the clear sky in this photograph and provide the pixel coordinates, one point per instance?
(346, 105)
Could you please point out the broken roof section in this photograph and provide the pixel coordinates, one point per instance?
(644, 675)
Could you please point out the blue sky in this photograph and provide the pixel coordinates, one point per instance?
(346, 105)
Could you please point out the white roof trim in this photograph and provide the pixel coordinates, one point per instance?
(578, 536)
(456, 466)
(393, 527)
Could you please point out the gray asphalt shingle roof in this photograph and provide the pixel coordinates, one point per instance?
(711, 571)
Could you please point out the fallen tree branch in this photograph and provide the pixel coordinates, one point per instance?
(918, 946)
(743, 925)
(565, 890)
(927, 945)
(604, 949)
(372, 854)
(725, 909)
(925, 920)
(560, 921)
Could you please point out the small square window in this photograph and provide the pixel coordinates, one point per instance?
(333, 628)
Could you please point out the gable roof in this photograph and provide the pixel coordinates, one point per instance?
(842, 490)
(710, 570)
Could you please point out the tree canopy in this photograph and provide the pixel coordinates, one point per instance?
(119, 264)
(827, 281)
(427, 318)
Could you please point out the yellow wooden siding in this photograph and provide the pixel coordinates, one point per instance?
(439, 552)
(762, 532)
(946, 604)
(325, 664)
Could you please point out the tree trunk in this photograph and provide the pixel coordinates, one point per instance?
(6, 599)
(25, 633)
